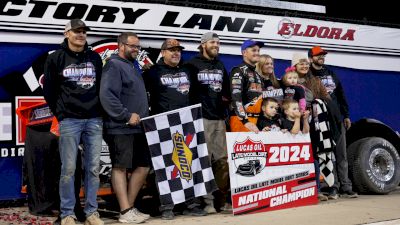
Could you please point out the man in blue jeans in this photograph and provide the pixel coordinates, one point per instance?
(71, 88)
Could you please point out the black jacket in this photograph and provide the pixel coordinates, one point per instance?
(210, 83)
(168, 87)
(333, 87)
(246, 86)
(122, 92)
(71, 83)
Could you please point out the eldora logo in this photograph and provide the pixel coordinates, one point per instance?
(182, 156)
(288, 28)
(249, 157)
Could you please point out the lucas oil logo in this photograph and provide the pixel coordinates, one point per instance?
(182, 156)
(249, 157)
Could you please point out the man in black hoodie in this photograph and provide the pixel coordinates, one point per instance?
(123, 96)
(210, 87)
(334, 88)
(168, 83)
(71, 87)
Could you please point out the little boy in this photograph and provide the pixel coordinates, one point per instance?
(293, 121)
(269, 118)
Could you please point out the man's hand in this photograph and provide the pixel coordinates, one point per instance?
(347, 123)
(252, 127)
(134, 120)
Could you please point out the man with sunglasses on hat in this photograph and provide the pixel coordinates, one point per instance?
(124, 98)
(71, 87)
(335, 89)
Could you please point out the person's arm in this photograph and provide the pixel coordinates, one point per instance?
(99, 71)
(236, 87)
(110, 91)
(306, 125)
(296, 126)
(50, 84)
(341, 98)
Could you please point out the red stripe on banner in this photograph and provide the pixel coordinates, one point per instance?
(289, 154)
(281, 196)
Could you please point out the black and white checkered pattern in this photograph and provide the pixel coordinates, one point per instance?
(326, 143)
(159, 131)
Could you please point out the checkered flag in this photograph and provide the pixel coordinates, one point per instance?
(179, 154)
(325, 143)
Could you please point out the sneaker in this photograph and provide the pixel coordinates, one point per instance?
(210, 209)
(194, 212)
(146, 216)
(322, 197)
(333, 194)
(94, 219)
(227, 208)
(349, 194)
(68, 220)
(131, 217)
(167, 215)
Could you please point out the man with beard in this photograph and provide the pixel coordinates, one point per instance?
(246, 89)
(124, 98)
(210, 87)
(335, 89)
(168, 83)
(71, 87)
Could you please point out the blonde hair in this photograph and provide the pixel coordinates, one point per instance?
(259, 66)
(285, 76)
(287, 102)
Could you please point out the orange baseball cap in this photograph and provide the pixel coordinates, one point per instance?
(316, 50)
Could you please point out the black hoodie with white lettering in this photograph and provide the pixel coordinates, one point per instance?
(72, 83)
(168, 87)
(210, 86)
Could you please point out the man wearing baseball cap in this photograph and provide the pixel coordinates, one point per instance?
(71, 83)
(246, 89)
(335, 89)
(210, 87)
(168, 83)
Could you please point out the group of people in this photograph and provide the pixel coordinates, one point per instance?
(92, 102)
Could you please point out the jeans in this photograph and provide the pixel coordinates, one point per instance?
(72, 131)
(342, 165)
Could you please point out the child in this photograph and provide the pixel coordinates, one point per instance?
(292, 89)
(269, 118)
(293, 121)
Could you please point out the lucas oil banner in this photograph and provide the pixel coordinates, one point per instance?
(270, 171)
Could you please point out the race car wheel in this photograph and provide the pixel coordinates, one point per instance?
(375, 165)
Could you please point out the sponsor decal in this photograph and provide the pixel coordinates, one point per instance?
(212, 78)
(249, 157)
(12, 152)
(287, 29)
(182, 156)
(179, 81)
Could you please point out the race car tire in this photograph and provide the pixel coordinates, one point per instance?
(374, 165)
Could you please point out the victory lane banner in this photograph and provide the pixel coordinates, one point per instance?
(179, 154)
(270, 171)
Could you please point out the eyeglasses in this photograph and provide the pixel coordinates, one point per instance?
(138, 47)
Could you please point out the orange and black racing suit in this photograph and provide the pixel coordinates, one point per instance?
(246, 92)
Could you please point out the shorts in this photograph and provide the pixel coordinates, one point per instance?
(128, 150)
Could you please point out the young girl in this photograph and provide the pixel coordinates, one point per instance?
(292, 89)
(294, 120)
(269, 118)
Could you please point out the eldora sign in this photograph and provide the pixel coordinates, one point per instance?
(287, 29)
(270, 171)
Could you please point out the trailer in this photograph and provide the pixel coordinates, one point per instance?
(366, 59)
